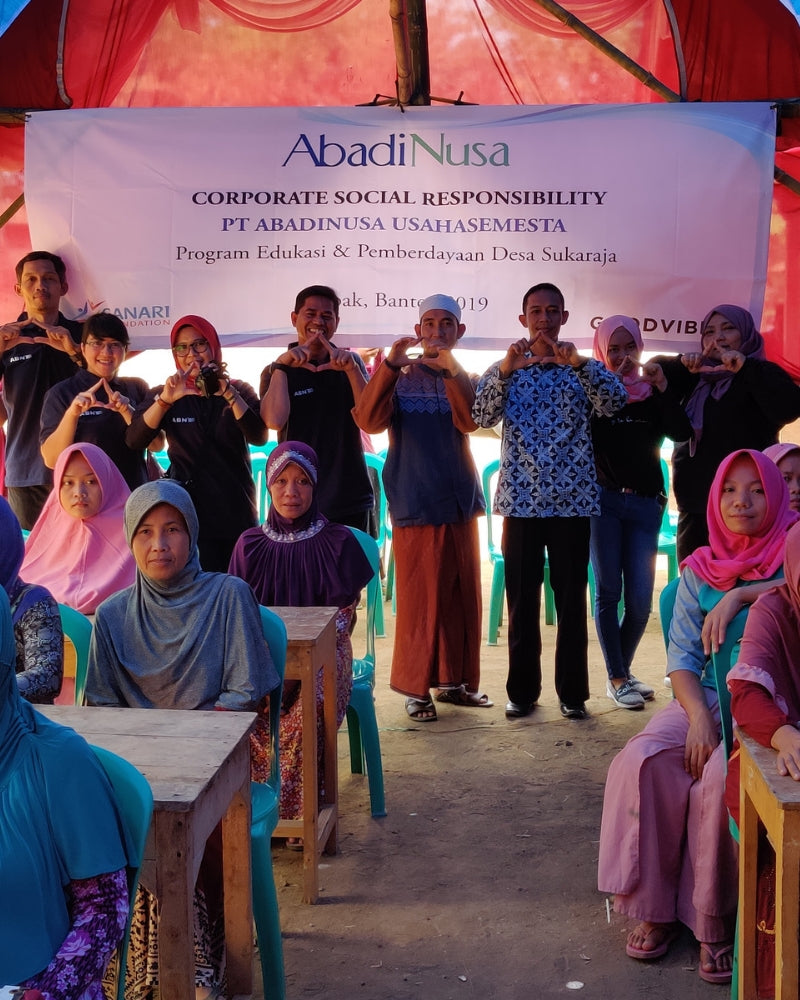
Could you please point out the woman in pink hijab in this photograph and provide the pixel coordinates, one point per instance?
(665, 850)
(77, 548)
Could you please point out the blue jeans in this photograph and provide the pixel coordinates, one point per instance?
(624, 545)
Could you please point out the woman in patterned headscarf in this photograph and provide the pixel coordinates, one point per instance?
(298, 558)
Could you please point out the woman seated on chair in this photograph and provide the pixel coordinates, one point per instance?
(665, 849)
(77, 547)
(765, 702)
(34, 613)
(63, 884)
(298, 558)
(179, 638)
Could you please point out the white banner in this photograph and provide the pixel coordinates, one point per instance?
(656, 211)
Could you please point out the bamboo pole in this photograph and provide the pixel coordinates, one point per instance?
(613, 53)
(410, 32)
(12, 210)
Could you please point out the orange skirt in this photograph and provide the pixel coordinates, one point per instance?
(438, 626)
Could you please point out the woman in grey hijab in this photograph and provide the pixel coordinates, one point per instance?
(178, 638)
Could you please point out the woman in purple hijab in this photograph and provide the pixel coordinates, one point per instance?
(298, 558)
(37, 623)
(734, 399)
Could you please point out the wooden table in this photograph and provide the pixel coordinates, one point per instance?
(198, 766)
(312, 647)
(772, 801)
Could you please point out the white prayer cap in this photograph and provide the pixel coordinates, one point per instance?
(445, 302)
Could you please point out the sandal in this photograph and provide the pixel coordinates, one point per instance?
(665, 934)
(421, 711)
(467, 699)
(294, 843)
(713, 953)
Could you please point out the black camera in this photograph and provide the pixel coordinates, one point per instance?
(208, 378)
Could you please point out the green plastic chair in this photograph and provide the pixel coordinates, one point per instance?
(259, 457)
(723, 659)
(265, 800)
(161, 458)
(135, 803)
(362, 722)
(388, 554)
(668, 532)
(78, 629)
(376, 463)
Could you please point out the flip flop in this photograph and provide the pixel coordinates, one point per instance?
(466, 699)
(670, 932)
(418, 710)
(715, 952)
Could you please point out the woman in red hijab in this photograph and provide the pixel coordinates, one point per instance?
(665, 850)
(209, 420)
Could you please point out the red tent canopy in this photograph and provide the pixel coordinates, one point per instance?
(147, 53)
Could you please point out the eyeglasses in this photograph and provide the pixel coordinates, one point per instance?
(196, 347)
(112, 345)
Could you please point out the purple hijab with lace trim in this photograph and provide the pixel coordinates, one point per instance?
(716, 384)
(12, 552)
(303, 562)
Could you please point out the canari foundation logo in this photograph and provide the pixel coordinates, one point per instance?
(398, 150)
(143, 315)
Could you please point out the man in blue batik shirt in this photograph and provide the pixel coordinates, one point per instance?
(546, 394)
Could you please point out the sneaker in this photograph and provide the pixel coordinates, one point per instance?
(644, 689)
(626, 696)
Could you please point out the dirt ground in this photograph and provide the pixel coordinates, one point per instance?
(481, 880)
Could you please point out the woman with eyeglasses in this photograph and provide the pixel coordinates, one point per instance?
(95, 404)
(209, 420)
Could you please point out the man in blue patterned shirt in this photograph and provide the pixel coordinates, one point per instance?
(546, 394)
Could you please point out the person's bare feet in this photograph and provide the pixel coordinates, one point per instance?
(716, 962)
(650, 940)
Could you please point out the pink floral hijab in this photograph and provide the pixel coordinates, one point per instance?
(635, 385)
(82, 562)
(730, 556)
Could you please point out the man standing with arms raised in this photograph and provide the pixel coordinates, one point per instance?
(308, 395)
(546, 393)
(40, 349)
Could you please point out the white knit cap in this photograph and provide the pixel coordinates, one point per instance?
(445, 302)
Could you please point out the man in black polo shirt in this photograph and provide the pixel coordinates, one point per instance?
(40, 349)
(308, 395)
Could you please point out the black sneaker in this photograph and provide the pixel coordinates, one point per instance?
(574, 711)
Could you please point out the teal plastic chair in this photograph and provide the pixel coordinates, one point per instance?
(161, 458)
(362, 722)
(135, 804)
(668, 532)
(723, 659)
(388, 554)
(265, 799)
(376, 463)
(78, 629)
(259, 457)
(497, 592)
